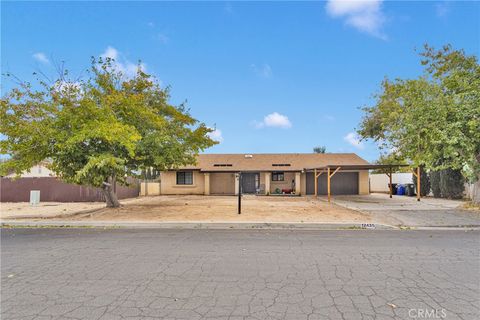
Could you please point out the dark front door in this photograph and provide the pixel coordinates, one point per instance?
(250, 182)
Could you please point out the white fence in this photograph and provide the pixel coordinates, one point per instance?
(379, 181)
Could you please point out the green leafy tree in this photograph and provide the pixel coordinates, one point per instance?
(98, 131)
(391, 158)
(434, 120)
(320, 149)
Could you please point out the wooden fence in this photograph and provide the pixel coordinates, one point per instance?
(54, 190)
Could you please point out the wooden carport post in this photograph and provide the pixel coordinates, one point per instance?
(328, 180)
(417, 175)
(389, 175)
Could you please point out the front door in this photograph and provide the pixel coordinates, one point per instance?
(250, 182)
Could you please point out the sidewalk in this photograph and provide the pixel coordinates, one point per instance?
(221, 225)
(192, 225)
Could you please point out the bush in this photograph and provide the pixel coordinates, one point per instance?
(424, 182)
(435, 183)
(452, 184)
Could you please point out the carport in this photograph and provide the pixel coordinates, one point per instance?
(331, 170)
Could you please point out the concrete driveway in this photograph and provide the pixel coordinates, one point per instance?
(407, 211)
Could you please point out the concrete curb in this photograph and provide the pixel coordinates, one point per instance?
(195, 225)
(466, 228)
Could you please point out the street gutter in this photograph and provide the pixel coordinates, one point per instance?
(194, 225)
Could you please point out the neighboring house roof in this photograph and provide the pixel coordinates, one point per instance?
(273, 161)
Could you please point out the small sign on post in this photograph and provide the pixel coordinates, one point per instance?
(34, 197)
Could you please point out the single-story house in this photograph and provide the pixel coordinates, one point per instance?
(218, 174)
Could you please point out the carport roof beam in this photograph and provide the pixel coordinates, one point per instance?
(358, 167)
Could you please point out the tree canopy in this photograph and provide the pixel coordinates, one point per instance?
(99, 130)
(433, 120)
(320, 149)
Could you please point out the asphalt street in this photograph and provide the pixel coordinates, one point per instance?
(239, 274)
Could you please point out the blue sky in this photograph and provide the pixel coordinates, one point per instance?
(270, 76)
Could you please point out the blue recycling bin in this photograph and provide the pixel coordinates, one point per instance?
(400, 190)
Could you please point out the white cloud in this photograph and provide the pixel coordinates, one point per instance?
(216, 135)
(354, 140)
(364, 15)
(67, 85)
(264, 71)
(69, 88)
(41, 57)
(275, 120)
(110, 52)
(122, 64)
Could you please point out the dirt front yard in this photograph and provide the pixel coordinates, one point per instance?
(224, 208)
(23, 210)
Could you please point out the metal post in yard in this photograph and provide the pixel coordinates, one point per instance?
(239, 193)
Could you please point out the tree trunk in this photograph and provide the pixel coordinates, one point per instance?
(110, 195)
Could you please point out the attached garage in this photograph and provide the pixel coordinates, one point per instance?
(342, 183)
(222, 183)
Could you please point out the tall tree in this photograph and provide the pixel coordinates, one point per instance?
(320, 149)
(433, 120)
(98, 131)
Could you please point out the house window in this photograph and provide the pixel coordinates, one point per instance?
(184, 177)
(278, 176)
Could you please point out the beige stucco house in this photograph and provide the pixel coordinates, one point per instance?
(218, 174)
(40, 170)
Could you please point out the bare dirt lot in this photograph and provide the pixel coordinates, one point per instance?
(23, 210)
(224, 208)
